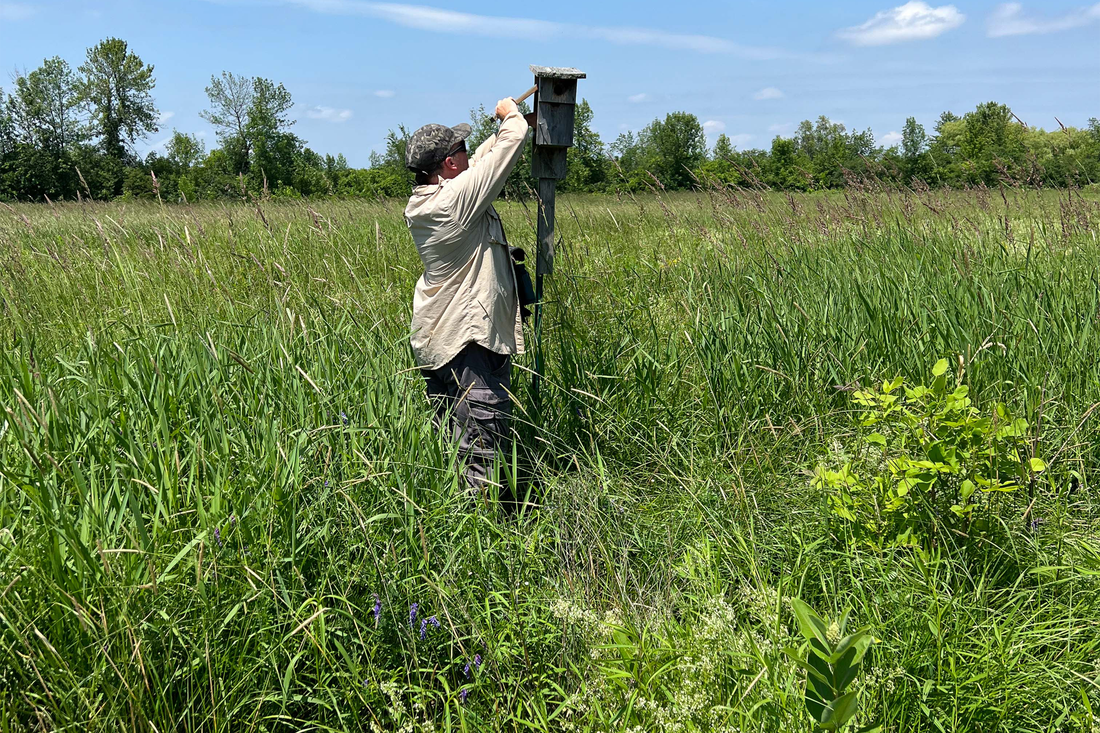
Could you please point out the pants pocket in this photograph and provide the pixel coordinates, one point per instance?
(487, 426)
(502, 368)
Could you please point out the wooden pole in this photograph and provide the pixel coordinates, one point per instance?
(544, 257)
(555, 99)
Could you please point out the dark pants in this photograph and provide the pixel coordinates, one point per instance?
(473, 405)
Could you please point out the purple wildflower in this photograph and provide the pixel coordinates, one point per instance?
(423, 629)
(377, 609)
(218, 535)
(476, 664)
(344, 417)
(412, 614)
(434, 622)
(233, 519)
(463, 695)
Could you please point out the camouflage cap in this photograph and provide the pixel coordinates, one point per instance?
(429, 145)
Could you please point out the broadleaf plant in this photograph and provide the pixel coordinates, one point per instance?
(832, 661)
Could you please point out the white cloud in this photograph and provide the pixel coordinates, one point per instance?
(711, 126)
(384, 93)
(781, 127)
(164, 117)
(329, 114)
(740, 139)
(638, 97)
(15, 11)
(891, 139)
(915, 20)
(768, 93)
(426, 18)
(1009, 20)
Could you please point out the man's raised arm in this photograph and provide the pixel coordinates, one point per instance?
(490, 165)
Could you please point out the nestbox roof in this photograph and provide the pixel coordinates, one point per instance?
(557, 72)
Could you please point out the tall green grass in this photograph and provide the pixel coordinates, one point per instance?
(216, 458)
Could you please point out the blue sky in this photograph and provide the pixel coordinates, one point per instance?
(751, 69)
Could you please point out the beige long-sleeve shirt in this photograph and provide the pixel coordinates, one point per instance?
(468, 290)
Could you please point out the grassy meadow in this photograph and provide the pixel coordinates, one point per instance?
(223, 507)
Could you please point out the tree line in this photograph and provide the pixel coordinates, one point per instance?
(67, 134)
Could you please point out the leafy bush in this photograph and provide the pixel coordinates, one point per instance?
(928, 464)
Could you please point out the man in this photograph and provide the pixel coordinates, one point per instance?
(466, 312)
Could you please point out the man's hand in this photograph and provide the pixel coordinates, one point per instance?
(506, 107)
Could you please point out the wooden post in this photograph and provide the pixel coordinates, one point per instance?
(555, 101)
(543, 265)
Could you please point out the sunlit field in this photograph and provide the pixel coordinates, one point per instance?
(223, 506)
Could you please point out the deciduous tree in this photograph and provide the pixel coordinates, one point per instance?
(674, 147)
(991, 141)
(915, 162)
(44, 108)
(723, 148)
(230, 101)
(185, 151)
(587, 159)
(117, 86)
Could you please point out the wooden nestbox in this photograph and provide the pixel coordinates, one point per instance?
(555, 108)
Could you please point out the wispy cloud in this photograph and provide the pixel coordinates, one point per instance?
(328, 114)
(638, 97)
(768, 93)
(741, 139)
(384, 93)
(15, 11)
(781, 127)
(425, 18)
(712, 126)
(891, 139)
(912, 21)
(164, 117)
(1009, 20)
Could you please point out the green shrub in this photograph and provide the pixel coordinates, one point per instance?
(928, 463)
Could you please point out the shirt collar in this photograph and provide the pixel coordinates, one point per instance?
(428, 189)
